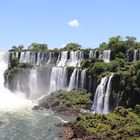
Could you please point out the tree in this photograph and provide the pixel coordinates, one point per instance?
(14, 62)
(72, 46)
(20, 47)
(17, 48)
(130, 41)
(39, 47)
(117, 45)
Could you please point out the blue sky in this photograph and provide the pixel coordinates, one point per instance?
(57, 22)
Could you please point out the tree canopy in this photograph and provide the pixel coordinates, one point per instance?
(39, 47)
(72, 46)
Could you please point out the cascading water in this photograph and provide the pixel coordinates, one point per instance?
(63, 59)
(17, 119)
(75, 58)
(72, 82)
(8, 100)
(77, 78)
(135, 55)
(58, 79)
(107, 95)
(50, 58)
(25, 57)
(92, 53)
(105, 55)
(38, 58)
(83, 77)
(33, 83)
(101, 97)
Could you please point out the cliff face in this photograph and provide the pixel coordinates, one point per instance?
(53, 71)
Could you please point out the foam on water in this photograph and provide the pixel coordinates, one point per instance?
(9, 100)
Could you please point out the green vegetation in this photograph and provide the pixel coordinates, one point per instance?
(125, 91)
(122, 124)
(126, 75)
(13, 68)
(17, 48)
(68, 99)
(129, 84)
(38, 47)
(88, 62)
(119, 45)
(14, 63)
(71, 46)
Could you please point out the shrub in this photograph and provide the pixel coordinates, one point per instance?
(14, 62)
(71, 46)
(137, 109)
(120, 55)
(98, 68)
(121, 111)
(88, 62)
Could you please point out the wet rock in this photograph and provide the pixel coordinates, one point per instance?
(37, 107)
(84, 111)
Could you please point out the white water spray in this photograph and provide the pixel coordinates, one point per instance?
(9, 100)
(102, 94)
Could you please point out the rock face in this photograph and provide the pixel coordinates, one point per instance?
(133, 55)
(62, 70)
(34, 83)
(53, 57)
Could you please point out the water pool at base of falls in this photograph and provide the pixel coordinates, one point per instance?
(27, 124)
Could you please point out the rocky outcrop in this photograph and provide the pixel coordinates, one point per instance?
(67, 102)
(122, 124)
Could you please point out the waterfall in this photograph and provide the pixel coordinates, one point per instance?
(8, 100)
(36, 58)
(135, 55)
(25, 57)
(75, 58)
(102, 94)
(77, 78)
(58, 79)
(63, 58)
(83, 77)
(50, 58)
(107, 95)
(17, 54)
(33, 83)
(39, 58)
(72, 82)
(92, 53)
(105, 55)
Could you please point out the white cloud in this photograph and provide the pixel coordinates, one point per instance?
(73, 23)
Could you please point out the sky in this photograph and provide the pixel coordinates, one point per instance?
(58, 22)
